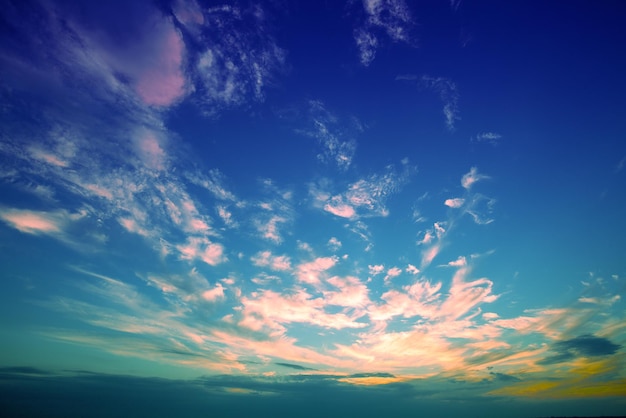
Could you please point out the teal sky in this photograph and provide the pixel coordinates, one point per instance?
(367, 207)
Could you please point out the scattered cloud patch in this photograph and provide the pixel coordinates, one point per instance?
(472, 177)
(337, 140)
(366, 197)
(239, 59)
(457, 202)
(393, 272)
(391, 17)
(492, 138)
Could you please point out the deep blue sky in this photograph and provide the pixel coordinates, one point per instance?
(334, 208)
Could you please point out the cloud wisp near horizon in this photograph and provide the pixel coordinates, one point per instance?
(186, 206)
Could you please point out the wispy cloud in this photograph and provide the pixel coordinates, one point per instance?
(472, 177)
(337, 140)
(492, 138)
(391, 17)
(275, 262)
(234, 69)
(365, 197)
(447, 91)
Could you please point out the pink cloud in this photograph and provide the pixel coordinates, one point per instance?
(310, 272)
(429, 255)
(490, 315)
(34, 222)
(270, 311)
(161, 83)
(214, 294)
(203, 249)
(392, 351)
(47, 157)
(351, 293)
(375, 270)
(269, 229)
(267, 259)
(393, 272)
(340, 209)
(412, 269)
(454, 203)
(150, 150)
(472, 177)
(419, 298)
(459, 262)
(188, 12)
(281, 346)
(465, 295)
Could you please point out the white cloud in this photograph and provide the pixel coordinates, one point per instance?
(449, 95)
(367, 197)
(391, 17)
(337, 140)
(492, 138)
(240, 59)
(334, 244)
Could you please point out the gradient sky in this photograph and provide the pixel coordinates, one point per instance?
(313, 208)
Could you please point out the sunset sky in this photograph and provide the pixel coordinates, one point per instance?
(313, 208)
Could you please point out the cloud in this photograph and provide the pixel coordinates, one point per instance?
(433, 240)
(334, 244)
(411, 269)
(163, 83)
(393, 272)
(270, 311)
(492, 138)
(35, 222)
(337, 139)
(472, 177)
(366, 197)
(238, 59)
(454, 203)
(214, 294)
(150, 150)
(202, 249)
(59, 224)
(338, 208)
(213, 181)
(293, 366)
(273, 213)
(583, 346)
(351, 292)
(448, 94)
(150, 62)
(447, 91)
(375, 270)
(267, 259)
(188, 12)
(367, 43)
(392, 17)
(311, 271)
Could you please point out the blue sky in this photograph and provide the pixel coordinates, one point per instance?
(346, 204)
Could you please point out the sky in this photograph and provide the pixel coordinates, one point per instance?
(312, 208)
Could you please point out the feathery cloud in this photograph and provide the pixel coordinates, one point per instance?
(392, 17)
